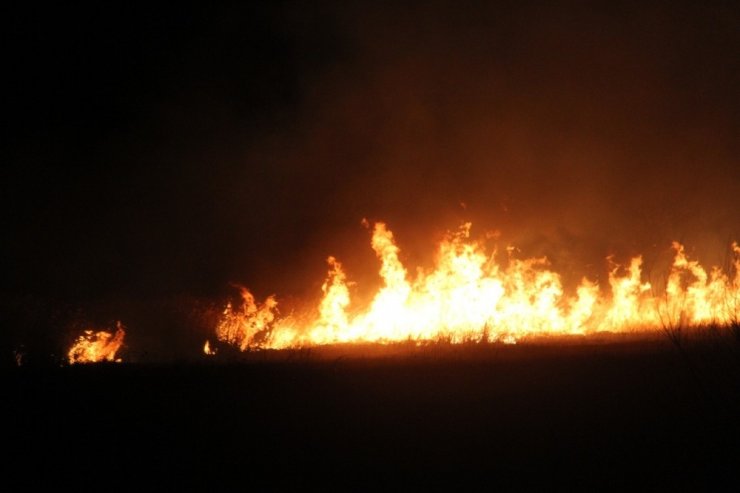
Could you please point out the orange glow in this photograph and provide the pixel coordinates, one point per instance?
(94, 347)
(470, 295)
(208, 350)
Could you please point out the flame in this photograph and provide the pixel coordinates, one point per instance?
(241, 327)
(473, 296)
(94, 347)
(208, 350)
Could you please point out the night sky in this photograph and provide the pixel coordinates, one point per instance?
(155, 152)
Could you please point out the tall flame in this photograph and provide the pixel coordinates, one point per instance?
(469, 295)
(94, 347)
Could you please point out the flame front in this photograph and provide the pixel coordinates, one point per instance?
(94, 347)
(469, 295)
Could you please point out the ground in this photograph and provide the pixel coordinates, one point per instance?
(586, 414)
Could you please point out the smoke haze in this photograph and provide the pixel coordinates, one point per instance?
(161, 153)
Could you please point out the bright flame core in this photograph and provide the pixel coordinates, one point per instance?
(94, 347)
(470, 296)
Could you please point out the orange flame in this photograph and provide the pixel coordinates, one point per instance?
(208, 350)
(94, 347)
(241, 327)
(471, 296)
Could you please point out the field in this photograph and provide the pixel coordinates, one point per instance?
(614, 412)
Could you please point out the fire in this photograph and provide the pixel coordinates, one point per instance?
(208, 350)
(470, 295)
(242, 327)
(94, 347)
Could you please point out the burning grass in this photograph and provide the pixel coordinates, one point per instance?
(692, 338)
(97, 346)
(471, 295)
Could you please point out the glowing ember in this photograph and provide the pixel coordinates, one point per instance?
(19, 354)
(94, 347)
(470, 296)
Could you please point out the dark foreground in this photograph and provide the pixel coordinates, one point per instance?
(586, 416)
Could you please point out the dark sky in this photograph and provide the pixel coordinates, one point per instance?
(159, 151)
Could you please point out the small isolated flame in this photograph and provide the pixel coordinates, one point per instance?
(94, 347)
(471, 296)
(208, 350)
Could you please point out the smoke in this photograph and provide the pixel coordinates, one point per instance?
(172, 153)
(577, 131)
